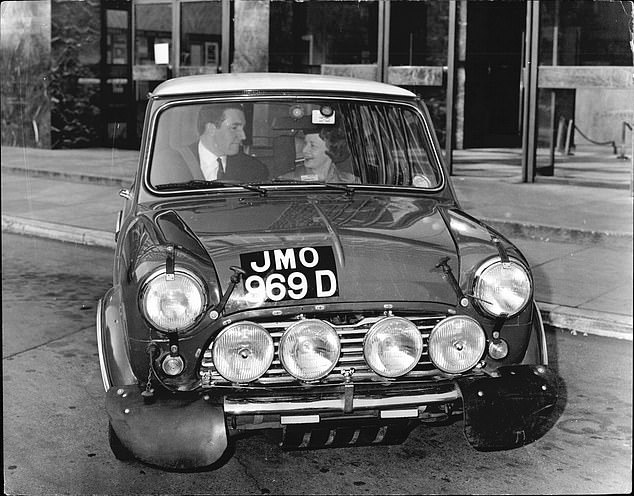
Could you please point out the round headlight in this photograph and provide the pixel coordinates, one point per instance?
(173, 304)
(243, 352)
(309, 349)
(502, 287)
(456, 344)
(393, 346)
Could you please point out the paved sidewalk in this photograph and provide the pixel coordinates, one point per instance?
(575, 228)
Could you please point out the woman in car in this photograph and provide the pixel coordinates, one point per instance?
(324, 148)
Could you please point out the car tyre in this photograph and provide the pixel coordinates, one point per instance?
(118, 449)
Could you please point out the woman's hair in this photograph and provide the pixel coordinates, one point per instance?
(335, 139)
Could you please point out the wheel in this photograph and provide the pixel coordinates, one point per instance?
(118, 449)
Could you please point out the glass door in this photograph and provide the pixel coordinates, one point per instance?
(116, 80)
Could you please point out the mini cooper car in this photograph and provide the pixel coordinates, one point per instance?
(291, 256)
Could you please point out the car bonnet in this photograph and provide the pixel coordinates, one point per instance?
(373, 248)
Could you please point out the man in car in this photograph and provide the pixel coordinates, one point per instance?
(217, 155)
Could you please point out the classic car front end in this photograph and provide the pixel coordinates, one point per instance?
(334, 312)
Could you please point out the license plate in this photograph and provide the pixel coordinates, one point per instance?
(290, 273)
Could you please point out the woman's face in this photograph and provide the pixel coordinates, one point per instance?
(314, 152)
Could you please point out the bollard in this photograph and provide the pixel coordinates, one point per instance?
(626, 125)
(571, 125)
(560, 134)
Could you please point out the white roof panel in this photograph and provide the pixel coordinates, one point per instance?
(274, 81)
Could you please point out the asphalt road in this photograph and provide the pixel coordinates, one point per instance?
(55, 437)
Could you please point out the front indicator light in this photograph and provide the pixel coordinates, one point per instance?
(309, 349)
(173, 304)
(456, 344)
(243, 352)
(393, 346)
(502, 288)
(173, 365)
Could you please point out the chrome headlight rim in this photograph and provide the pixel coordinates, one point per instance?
(231, 328)
(487, 265)
(374, 329)
(181, 271)
(431, 344)
(282, 344)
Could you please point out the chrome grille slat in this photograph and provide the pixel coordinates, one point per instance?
(351, 337)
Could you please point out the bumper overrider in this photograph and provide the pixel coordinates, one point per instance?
(504, 411)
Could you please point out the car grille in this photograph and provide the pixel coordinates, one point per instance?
(351, 337)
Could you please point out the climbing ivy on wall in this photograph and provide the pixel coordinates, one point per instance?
(75, 112)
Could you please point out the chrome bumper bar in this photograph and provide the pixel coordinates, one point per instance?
(342, 400)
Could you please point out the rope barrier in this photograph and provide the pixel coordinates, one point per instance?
(611, 142)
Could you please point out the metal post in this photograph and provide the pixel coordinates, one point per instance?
(529, 122)
(174, 65)
(380, 44)
(383, 52)
(451, 75)
(226, 35)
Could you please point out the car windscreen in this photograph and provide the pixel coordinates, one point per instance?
(297, 141)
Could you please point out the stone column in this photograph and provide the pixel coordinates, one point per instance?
(251, 36)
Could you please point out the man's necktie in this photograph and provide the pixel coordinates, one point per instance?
(221, 170)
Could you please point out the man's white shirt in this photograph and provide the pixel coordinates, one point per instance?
(209, 162)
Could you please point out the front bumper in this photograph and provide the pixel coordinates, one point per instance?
(501, 412)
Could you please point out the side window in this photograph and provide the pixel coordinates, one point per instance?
(388, 146)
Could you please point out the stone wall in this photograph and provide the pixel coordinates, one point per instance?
(600, 113)
(25, 58)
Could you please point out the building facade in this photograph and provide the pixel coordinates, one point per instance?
(76, 73)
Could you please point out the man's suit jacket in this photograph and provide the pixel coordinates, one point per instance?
(183, 165)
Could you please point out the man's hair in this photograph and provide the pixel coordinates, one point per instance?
(214, 113)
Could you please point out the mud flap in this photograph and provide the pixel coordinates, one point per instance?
(511, 410)
(171, 432)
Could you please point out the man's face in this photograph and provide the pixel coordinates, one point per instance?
(230, 135)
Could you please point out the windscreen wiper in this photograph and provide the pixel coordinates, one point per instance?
(340, 186)
(204, 184)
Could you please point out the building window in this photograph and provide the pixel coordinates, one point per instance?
(418, 33)
(303, 36)
(153, 25)
(588, 33)
(200, 37)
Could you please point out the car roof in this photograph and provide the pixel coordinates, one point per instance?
(274, 81)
